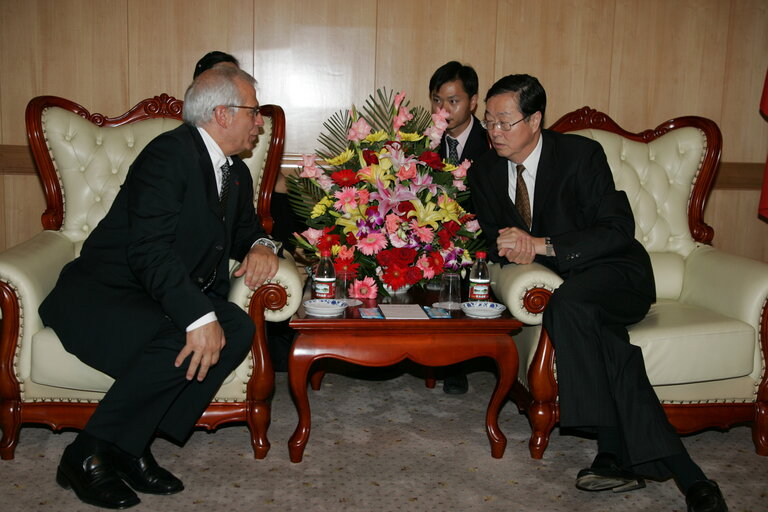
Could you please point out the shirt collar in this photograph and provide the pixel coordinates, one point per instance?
(462, 138)
(532, 162)
(214, 151)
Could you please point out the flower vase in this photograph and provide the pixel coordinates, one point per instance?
(399, 291)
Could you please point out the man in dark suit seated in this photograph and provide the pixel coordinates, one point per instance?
(453, 87)
(550, 198)
(146, 300)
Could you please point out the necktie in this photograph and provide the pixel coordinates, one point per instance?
(224, 188)
(522, 203)
(453, 154)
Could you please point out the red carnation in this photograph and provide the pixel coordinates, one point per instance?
(404, 207)
(370, 157)
(452, 227)
(432, 159)
(404, 256)
(445, 238)
(413, 275)
(351, 239)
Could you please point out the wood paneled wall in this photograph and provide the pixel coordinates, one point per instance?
(642, 61)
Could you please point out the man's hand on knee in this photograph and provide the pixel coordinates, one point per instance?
(204, 344)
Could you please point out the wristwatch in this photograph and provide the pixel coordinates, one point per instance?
(275, 246)
(548, 247)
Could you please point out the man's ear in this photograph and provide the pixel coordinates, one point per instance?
(473, 103)
(535, 120)
(221, 116)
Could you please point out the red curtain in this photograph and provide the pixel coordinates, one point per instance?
(762, 209)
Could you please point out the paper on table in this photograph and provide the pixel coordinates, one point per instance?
(403, 311)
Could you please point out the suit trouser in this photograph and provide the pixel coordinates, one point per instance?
(153, 395)
(602, 380)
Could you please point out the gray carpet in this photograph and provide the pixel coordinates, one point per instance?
(387, 445)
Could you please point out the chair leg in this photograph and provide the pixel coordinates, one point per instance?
(11, 425)
(542, 417)
(760, 428)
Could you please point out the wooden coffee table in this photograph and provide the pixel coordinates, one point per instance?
(375, 342)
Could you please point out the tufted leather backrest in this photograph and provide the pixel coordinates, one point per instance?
(667, 174)
(83, 158)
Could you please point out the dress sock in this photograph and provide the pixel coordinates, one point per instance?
(685, 471)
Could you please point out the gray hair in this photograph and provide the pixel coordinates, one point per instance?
(217, 86)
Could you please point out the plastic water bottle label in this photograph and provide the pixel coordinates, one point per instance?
(325, 288)
(479, 290)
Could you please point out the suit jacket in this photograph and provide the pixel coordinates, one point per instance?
(147, 260)
(575, 203)
(476, 146)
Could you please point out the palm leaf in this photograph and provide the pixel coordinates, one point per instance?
(303, 194)
(334, 139)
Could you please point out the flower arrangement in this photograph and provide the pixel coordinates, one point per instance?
(383, 201)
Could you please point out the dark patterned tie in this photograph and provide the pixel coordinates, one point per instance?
(224, 188)
(453, 154)
(522, 203)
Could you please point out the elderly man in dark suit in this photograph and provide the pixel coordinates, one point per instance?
(146, 301)
(548, 197)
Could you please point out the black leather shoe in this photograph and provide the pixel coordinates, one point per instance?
(705, 496)
(606, 474)
(455, 384)
(94, 480)
(144, 474)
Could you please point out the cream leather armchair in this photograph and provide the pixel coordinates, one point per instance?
(705, 340)
(82, 159)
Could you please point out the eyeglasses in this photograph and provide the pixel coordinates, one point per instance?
(501, 125)
(254, 110)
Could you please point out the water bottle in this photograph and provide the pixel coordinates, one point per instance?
(479, 278)
(325, 277)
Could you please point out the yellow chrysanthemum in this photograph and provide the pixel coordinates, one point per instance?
(409, 136)
(342, 158)
(321, 207)
(376, 137)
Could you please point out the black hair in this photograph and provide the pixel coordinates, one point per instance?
(530, 94)
(454, 71)
(210, 59)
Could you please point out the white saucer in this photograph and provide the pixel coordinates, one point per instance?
(481, 309)
(325, 307)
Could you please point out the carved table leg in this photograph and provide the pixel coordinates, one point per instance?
(298, 384)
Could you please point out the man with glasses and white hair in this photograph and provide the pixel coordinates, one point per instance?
(549, 197)
(146, 300)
